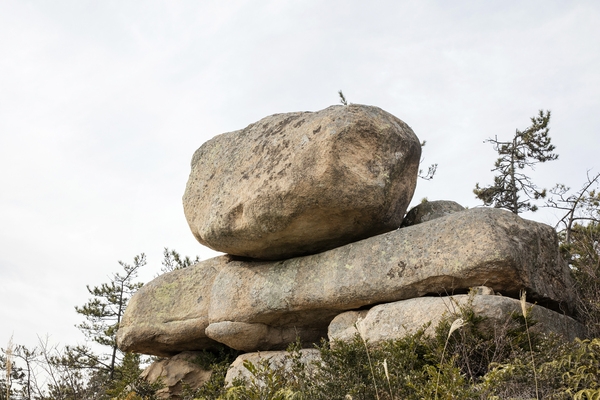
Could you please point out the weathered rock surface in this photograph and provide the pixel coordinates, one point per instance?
(482, 246)
(264, 305)
(428, 210)
(276, 360)
(300, 183)
(169, 314)
(398, 319)
(174, 372)
(255, 336)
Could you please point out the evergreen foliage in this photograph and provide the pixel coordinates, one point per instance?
(507, 361)
(342, 98)
(173, 261)
(479, 365)
(10, 373)
(473, 362)
(104, 311)
(512, 188)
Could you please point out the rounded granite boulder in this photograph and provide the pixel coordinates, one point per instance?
(301, 183)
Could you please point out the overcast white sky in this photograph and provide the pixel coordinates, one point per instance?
(103, 103)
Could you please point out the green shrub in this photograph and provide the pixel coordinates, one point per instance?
(479, 363)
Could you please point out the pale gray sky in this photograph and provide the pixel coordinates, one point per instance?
(102, 105)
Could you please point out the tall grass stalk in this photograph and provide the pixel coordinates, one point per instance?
(524, 311)
(9, 359)
(458, 323)
(368, 358)
(387, 376)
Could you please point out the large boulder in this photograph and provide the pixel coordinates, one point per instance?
(169, 314)
(260, 305)
(398, 319)
(301, 183)
(263, 305)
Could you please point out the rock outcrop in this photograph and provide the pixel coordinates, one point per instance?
(169, 314)
(264, 305)
(300, 183)
(307, 205)
(399, 319)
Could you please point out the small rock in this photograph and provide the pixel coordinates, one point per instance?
(482, 290)
(176, 372)
(247, 336)
(428, 210)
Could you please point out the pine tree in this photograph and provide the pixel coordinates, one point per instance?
(173, 261)
(512, 189)
(104, 311)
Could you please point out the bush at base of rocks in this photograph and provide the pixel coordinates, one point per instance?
(477, 365)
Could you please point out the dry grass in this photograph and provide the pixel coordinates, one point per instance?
(368, 357)
(525, 311)
(9, 362)
(458, 323)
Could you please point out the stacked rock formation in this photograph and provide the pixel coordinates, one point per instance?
(307, 207)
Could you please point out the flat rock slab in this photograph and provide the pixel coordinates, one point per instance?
(264, 305)
(481, 246)
(301, 183)
(402, 318)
